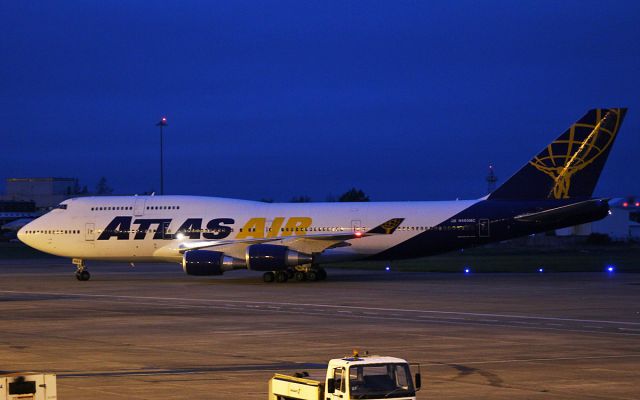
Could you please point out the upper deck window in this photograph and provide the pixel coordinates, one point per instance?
(62, 206)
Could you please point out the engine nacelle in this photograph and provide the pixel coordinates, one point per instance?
(269, 257)
(203, 262)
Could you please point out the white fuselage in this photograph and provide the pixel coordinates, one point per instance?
(79, 227)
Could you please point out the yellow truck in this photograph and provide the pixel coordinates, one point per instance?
(355, 377)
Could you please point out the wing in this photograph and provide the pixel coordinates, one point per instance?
(314, 243)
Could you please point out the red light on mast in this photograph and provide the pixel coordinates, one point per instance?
(625, 204)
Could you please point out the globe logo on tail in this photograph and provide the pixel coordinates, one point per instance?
(582, 144)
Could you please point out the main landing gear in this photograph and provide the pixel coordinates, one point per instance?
(82, 274)
(299, 273)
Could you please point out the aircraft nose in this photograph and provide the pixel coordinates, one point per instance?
(21, 234)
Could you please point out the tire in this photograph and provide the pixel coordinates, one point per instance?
(268, 277)
(282, 276)
(312, 276)
(299, 276)
(84, 275)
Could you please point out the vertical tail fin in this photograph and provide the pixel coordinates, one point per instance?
(570, 166)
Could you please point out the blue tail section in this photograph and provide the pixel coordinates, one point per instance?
(570, 166)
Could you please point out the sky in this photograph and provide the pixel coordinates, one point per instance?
(406, 100)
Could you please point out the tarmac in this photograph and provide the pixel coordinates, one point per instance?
(151, 332)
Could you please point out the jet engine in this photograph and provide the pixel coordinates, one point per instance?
(204, 262)
(269, 257)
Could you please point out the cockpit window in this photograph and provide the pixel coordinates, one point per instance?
(62, 206)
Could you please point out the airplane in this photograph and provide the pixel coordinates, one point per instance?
(210, 236)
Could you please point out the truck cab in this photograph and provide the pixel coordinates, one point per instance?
(370, 377)
(355, 377)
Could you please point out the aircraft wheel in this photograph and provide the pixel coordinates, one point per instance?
(268, 277)
(290, 273)
(299, 276)
(282, 276)
(312, 276)
(83, 275)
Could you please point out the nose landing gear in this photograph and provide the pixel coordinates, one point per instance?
(82, 274)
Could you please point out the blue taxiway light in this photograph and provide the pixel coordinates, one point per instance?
(540, 269)
(611, 268)
(387, 268)
(467, 270)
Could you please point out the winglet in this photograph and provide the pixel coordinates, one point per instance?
(387, 228)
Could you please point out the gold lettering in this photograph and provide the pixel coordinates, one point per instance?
(254, 228)
(275, 227)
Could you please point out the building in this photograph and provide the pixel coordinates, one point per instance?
(44, 192)
(14, 215)
(622, 223)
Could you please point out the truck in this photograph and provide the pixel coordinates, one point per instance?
(28, 386)
(353, 377)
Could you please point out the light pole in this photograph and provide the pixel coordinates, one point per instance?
(162, 123)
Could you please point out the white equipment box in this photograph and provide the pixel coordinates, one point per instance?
(28, 386)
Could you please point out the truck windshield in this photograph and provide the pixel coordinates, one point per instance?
(375, 381)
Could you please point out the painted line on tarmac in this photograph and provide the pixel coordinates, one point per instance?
(525, 360)
(309, 366)
(326, 306)
(434, 319)
(195, 370)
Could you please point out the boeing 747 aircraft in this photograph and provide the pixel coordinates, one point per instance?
(210, 236)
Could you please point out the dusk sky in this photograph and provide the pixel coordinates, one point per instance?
(407, 100)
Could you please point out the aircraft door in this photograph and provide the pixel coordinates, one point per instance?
(166, 233)
(89, 232)
(483, 228)
(356, 225)
(138, 208)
